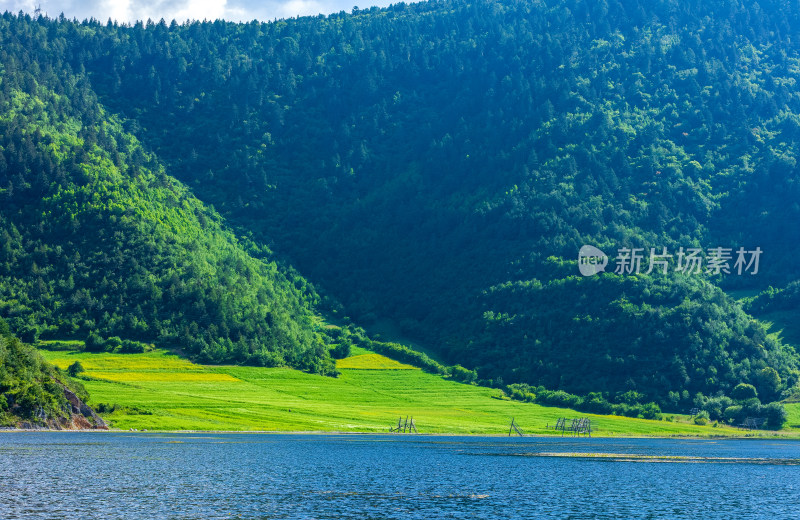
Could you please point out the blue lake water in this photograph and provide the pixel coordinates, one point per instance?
(206, 476)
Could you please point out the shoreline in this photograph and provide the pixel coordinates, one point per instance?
(788, 436)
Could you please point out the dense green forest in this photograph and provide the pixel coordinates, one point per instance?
(437, 165)
(97, 239)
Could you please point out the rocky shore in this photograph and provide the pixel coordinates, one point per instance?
(77, 415)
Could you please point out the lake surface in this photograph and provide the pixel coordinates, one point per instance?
(205, 476)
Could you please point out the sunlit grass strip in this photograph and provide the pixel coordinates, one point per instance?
(372, 362)
(156, 360)
(159, 391)
(125, 376)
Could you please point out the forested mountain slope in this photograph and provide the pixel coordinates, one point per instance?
(440, 165)
(96, 238)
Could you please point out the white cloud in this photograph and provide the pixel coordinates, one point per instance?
(181, 10)
(16, 6)
(198, 9)
(117, 9)
(301, 7)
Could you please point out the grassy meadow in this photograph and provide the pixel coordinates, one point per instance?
(793, 419)
(160, 391)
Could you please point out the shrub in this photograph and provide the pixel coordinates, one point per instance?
(74, 369)
(752, 407)
(113, 343)
(630, 411)
(595, 403)
(132, 347)
(341, 350)
(715, 406)
(743, 391)
(94, 343)
(520, 392)
(775, 414)
(406, 355)
(769, 382)
(462, 374)
(630, 398)
(559, 398)
(263, 358)
(105, 408)
(733, 414)
(650, 411)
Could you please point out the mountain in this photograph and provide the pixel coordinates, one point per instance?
(99, 242)
(439, 165)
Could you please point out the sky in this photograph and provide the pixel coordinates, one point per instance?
(182, 10)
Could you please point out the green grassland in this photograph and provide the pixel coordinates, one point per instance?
(793, 416)
(160, 391)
